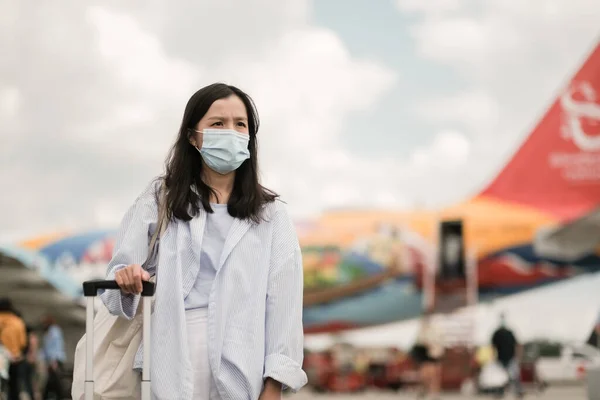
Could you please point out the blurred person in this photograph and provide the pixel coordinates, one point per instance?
(230, 278)
(53, 350)
(428, 353)
(30, 374)
(362, 361)
(343, 363)
(508, 354)
(484, 355)
(4, 367)
(310, 365)
(345, 358)
(597, 332)
(594, 339)
(13, 337)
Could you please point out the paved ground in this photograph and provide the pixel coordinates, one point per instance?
(567, 393)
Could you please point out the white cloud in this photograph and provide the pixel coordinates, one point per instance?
(10, 98)
(138, 58)
(88, 122)
(140, 66)
(304, 84)
(513, 56)
(499, 38)
(449, 149)
(452, 39)
(476, 110)
(439, 6)
(101, 114)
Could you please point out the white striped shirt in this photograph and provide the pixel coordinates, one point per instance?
(255, 304)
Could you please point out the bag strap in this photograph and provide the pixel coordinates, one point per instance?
(162, 221)
(162, 216)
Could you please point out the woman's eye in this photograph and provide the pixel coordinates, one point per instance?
(242, 124)
(218, 123)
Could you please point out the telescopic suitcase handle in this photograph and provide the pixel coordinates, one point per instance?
(90, 291)
(90, 288)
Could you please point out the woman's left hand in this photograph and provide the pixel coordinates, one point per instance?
(271, 391)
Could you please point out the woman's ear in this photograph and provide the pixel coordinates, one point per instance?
(191, 137)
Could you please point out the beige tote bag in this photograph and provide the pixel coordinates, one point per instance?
(116, 341)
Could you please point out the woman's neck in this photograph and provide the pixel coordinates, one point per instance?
(221, 184)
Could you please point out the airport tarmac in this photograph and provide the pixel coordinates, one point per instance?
(562, 393)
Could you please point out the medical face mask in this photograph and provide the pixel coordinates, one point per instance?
(224, 150)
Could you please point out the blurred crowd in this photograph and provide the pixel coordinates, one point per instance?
(429, 367)
(31, 357)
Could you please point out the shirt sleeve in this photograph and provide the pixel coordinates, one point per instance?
(284, 303)
(131, 247)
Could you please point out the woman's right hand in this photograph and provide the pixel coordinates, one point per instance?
(130, 278)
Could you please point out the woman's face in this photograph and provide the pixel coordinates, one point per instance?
(227, 113)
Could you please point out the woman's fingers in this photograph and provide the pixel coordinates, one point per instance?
(130, 278)
(136, 278)
(119, 280)
(122, 280)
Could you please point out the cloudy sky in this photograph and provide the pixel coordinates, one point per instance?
(363, 103)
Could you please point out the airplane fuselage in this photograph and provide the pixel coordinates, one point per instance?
(500, 235)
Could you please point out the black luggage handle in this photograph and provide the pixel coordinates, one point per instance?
(90, 288)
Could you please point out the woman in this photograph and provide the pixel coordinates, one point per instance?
(428, 353)
(227, 321)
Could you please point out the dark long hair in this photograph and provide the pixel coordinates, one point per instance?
(184, 164)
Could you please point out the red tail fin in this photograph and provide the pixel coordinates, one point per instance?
(557, 170)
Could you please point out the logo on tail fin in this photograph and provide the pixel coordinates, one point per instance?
(582, 116)
(581, 125)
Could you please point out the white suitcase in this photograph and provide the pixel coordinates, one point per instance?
(90, 291)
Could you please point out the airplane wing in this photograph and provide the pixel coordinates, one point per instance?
(572, 240)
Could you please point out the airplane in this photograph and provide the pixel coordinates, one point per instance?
(536, 223)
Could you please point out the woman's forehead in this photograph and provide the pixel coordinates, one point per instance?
(228, 107)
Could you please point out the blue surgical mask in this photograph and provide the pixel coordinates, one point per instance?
(224, 150)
